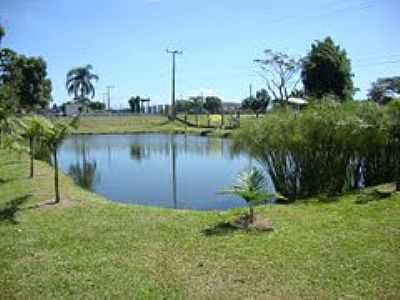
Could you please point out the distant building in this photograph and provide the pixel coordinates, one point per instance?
(297, 103)
(75, 108)
(230, 107)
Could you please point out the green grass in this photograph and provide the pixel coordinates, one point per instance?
(89, 247)
(139, 124)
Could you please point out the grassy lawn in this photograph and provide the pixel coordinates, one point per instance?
(140, 124)
(89, 247)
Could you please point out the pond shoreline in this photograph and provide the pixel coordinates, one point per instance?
(208, 133)
(176, 158)
(101, 239)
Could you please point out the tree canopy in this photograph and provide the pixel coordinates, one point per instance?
(327, 70)
(134, 103)
(26, 78)
(259, 103)
(97, 105)
(213, 104)
(385, 89)
(34, 88)
(280, 72)
(79, 83)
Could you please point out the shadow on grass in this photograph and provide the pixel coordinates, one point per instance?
(4, 181)
(365, 198)
(327, 198)
(9, 210)
(221, 228)
(11, 162)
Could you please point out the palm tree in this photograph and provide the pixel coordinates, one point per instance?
(250, 187)
(54, 134)
(79, 82)
(32, 128)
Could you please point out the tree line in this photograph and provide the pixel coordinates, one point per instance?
(324, 71)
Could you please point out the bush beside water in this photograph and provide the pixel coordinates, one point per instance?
(326, 148)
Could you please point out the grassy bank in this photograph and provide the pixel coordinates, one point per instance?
(90, 247)
(140, 124)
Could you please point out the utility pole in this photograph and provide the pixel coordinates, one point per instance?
(173, 53)
(251, 90)
(109, 87)
(104, 100)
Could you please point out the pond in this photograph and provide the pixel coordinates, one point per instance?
(165, 170)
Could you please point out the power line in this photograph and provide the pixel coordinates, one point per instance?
(373, 64)
(350, 8)
(295, 18)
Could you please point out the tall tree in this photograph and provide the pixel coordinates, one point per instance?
(385, 89)
(258, 104)
(281, 74)
(8, 70)
(213, 104)
(183, 105)
(33, 86)
(79, 83)
(134, 103)
(327, 70)
(393, 110)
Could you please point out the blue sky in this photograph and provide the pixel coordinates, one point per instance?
(125, 41)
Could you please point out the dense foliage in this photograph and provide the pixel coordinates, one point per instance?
(327, 71)
(79, 82)
(258, 104)
(385, 89)
(327, 148)
(213, 104)
(136, 104)
(97, 105)
(27, 78)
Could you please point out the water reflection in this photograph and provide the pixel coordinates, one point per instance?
(173, 161)
(84, 175)
(139, 152)
(83, 171)
(176, 171)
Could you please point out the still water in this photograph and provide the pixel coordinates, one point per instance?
(174, 171)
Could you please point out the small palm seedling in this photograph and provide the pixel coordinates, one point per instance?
(250, 187)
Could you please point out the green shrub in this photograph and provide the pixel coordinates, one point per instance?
(326, 148)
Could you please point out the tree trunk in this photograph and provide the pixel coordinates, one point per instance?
(56, 185)
(397, 175)
(1, 137)
(31, 148)
(251, 215)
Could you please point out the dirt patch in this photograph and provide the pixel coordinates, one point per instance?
(51, 203)
(258, 223)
